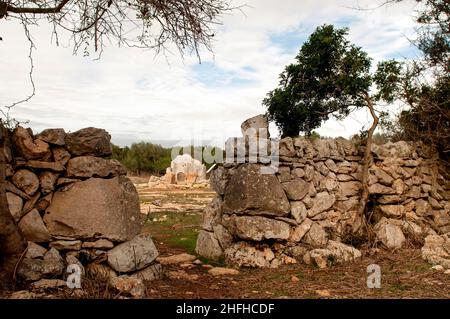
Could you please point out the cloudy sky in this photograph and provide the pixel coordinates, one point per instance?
(137, 96)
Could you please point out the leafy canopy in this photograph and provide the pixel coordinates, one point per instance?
(331, 77)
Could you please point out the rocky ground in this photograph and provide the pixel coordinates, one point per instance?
(174, 221)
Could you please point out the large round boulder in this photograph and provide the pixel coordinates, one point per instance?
(95, 208)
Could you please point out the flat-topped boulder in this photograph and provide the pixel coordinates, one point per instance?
(250, 191)
(90, 166)
(95, 208)
(89, 141)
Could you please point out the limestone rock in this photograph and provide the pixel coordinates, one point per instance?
(298, 173)
(322, 148)
(379, 189)
(43, 165)
(47, 180)
(389, 234)
(422, 207)
(286, 147)
(319, 257)
(399, 149)
(208, 246)
(343, 253)
(61, 155)
(301, 230)
(15, 204)
(390, 199)
(9, 171)
(152, 272)
(284, 174)
(322, 202)
(176, 259)
(331, 165)
(296, 189)
(72, 260)
(436, 250)
(242, 254)
(27, 147)
(35, 251)
(257, 126)
(335, 252)
(223, 236)
(53, 263)
(344, 178)
(89, 141)
(348, 189)
(66, 244)
(55, 136)
(398, 186)
(212, 213)
(30, 269)
(129, 285)
(309, 173)
(258, 228)
(316, 236)
(393, 211)
(249, 191)
(219, 179)
(98, 244)
(383, 177)
(65, 181)
(44, 202)
(48, 284)
(441, 218)
(299, 211)
(23, 294)
(96, 208)
(329, 183)
(33, 227)
(322, 168)
(89, 166)
(221, 271)
(133, 255)
(26, 181)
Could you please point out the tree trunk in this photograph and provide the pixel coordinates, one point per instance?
(360, 216)
(12, 241)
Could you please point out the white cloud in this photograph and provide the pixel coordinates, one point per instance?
(136, 95)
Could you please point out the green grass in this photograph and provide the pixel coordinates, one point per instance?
(178, 230)
(185, 239)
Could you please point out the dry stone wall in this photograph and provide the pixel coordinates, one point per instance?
(305, 212)
(75, 206)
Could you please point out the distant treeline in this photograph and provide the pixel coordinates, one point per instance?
(143, 157)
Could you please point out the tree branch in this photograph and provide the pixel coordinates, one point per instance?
(19, 10)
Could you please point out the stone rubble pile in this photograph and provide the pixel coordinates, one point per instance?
(304, 212)
(75, 206)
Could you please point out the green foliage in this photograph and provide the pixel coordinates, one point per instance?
(152, 158)
(143, 157)
(426, 83)
(433, 34)
(331, 77)
(314, 136)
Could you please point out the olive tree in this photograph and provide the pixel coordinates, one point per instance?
(332, 78)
